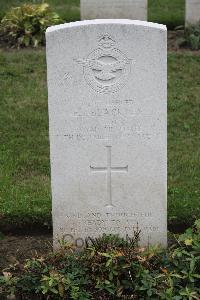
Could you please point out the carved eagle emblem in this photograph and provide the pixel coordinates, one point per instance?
(103, 71)
(106, 68)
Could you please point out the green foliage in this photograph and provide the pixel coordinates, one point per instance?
(68, 9)
(192, 36)
(119, 270)
(25, 25)
(183, 265)
(111, 241)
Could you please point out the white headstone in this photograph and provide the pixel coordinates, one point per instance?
(114, 9)
(107, 93)
(192, 12)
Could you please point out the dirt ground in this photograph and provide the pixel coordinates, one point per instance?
(172, 40)
(19, 248)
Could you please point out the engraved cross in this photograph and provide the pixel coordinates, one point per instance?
(109, 170)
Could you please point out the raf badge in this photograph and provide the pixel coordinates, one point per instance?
(106, 69)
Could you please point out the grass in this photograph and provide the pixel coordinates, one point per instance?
(183, 137)
(169, 12)
(24, 146)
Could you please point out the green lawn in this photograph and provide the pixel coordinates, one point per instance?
(169, 12)
(183, 137)
(24, 147)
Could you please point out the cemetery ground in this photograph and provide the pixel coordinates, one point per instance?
(25, 169)
(166, 12)
(25, 201)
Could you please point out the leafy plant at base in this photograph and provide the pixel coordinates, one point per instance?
(111, 241)
(192, 34)
(111, 268)
(191, 37)
(25, 25)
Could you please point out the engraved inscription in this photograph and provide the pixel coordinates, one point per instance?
(109, 169)
(78, 225)
(61, 77)
(106, 69)
(135, 214)
(118, 119)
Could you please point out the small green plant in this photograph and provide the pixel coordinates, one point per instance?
(9, 281)
(25, 25)
(192, 36)
(111, 241)
(111, 268)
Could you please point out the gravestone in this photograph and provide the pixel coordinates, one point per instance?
(107, 94)
(192, 12)
(114, 9)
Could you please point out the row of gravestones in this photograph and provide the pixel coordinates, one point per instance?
(130, 9)
(107, 95)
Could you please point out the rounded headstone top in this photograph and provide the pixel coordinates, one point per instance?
(105, 22)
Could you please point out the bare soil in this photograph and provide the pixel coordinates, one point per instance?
(18, 248)
(172, 40)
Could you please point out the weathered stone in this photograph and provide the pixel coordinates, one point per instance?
(192, 12)
(114, 9)
(107, 92)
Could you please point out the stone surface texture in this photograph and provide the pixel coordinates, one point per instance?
(114, 9)
(107, 95)
(192, 12)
